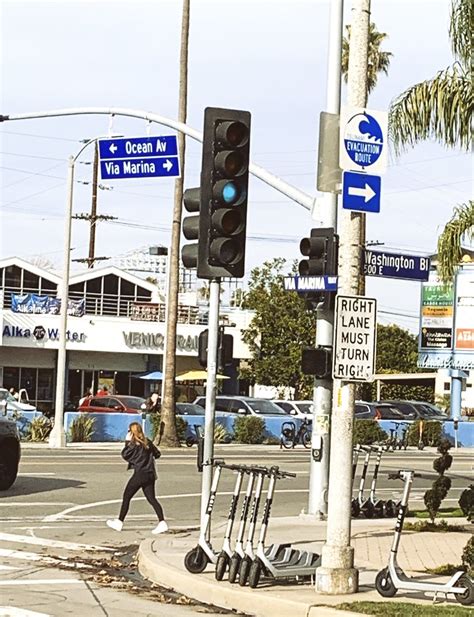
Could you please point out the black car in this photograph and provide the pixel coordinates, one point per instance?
(10, 452)
(414, 410)
(377, 411)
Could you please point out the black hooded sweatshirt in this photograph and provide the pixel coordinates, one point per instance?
(139, 458)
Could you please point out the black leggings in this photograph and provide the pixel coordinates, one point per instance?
(146, 482)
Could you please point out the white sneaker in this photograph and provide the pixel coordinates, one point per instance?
(115, 523)
(160, 528)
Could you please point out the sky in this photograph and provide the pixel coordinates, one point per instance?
(265, 56)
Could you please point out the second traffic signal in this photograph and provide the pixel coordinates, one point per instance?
(321, 250)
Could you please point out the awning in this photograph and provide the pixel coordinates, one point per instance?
(196, 376)
(154, 376)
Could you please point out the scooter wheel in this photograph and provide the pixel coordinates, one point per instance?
(221, 565)
(244, 570)
(390, 509)
(196, 560)
(234, 566)
(466, 598)
(255, 572)
(307, 439)
(384, 584)
(190, 441)
(355, 508)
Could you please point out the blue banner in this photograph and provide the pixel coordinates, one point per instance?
(45, 305)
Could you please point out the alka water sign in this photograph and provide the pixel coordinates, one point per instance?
(39, 333)
(355, 338)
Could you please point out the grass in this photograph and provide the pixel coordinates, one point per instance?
(441, 525)
(405, 609)
(444, 512)
(447, 569)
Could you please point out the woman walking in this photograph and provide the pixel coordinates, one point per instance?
(140, 453)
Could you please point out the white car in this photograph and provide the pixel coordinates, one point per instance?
(12, 404)
(298, 409)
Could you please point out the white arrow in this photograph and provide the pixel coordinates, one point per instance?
(168, 165)
(367, 192)
(113, 148)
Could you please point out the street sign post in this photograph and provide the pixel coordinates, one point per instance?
(355, 338)
(395, 265)
(361, 192)
(139, 157)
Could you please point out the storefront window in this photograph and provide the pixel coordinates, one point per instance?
(28, 381)
(11, 377)
(45, 384)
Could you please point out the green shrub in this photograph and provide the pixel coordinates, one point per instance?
(466, 502)
(367, 432)
(468, 556)
(440, 487)
(249, 429)
(39, 429)
(431, 433)
(82, 428)
(181, 426)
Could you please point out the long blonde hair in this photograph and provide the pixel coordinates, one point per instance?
(138, 436)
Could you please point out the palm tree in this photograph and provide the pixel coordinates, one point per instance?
(378, 61)
(450, 252)
(441, 107)
(168, 434)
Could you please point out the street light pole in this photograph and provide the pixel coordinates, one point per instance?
(57, 438)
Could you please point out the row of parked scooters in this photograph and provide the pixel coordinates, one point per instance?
(370, 507)
(242, 560)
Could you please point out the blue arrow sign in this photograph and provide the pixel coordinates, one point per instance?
(361, 192)
(139, 157)
(310, 283)
(138, 147)
(396, 265)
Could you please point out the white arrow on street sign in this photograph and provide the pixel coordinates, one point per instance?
(113, 148)
(367, 193)
(168, 165)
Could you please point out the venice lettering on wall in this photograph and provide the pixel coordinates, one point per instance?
(147, 339)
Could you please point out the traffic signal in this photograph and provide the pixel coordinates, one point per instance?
(192, 203)
(224, 193)
(225, 349)
(321, 248)
(317, 362)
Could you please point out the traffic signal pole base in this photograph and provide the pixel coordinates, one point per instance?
(337, 574)
(57, 438)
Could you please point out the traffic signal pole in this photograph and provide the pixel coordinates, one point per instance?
(211, 384)
(327, 215)
(337, 574)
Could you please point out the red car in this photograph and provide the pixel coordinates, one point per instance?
(112, 404)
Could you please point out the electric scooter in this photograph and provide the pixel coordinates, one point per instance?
(366, 507)
(378, 505)
(355, 505)
(392, 578)
(296, 564)
(226, 553)
(198, 557)
(249, 554)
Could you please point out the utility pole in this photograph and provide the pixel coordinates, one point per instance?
(322, 394)
(337, 574)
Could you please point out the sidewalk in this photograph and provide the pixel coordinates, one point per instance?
(162, 561)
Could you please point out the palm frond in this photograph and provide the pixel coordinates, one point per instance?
(439, 108)
(460, 31)
(450, 251)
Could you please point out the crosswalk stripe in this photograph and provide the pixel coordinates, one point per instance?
(13, 611)
(10, 537)
(41, 581)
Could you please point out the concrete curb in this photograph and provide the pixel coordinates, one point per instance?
(202, 588)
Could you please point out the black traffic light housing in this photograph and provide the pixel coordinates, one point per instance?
(225, 349)
(317, 361)
(192, 203)
(321, 250)
(224, 193)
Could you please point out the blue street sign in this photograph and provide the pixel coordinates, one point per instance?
(361, 192)
(138, 147)
(395, 265)
(310, 283)
(139, 157)
(363, 140)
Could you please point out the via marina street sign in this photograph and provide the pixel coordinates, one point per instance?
(139, 157)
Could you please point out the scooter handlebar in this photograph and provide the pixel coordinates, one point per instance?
(399, 474)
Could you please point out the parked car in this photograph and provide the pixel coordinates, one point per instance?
(414, 410)
(244, 405)
(377, 411)
(189, 409)
(14, 405)
(10, 450)
(299, 409)
(112, 404)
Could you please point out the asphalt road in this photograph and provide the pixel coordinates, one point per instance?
(60, 501)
